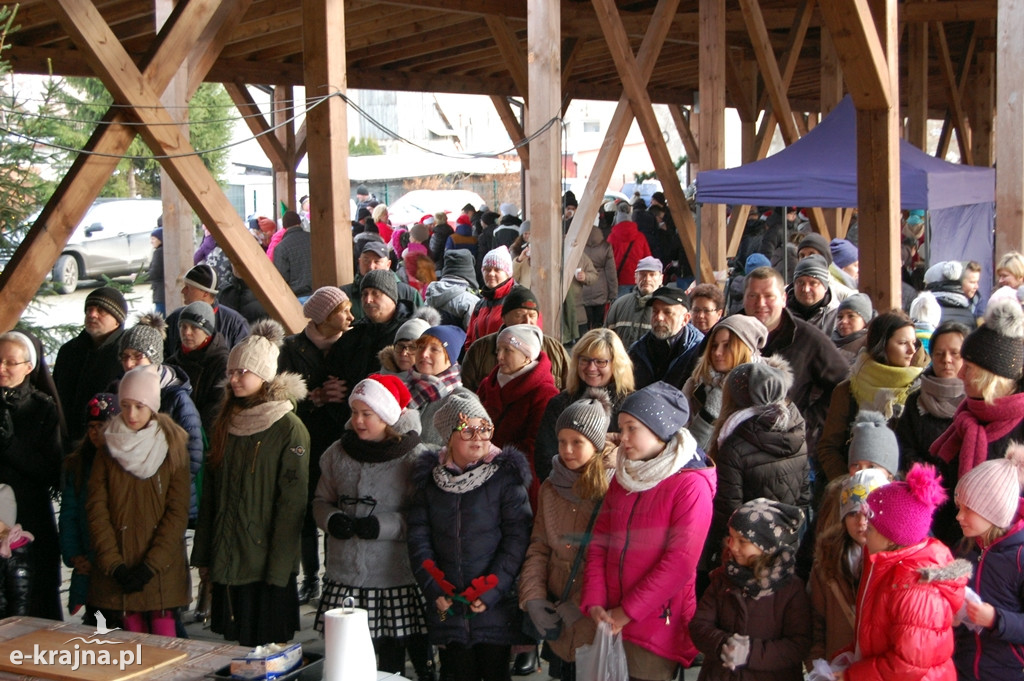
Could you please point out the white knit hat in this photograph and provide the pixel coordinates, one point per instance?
(526, 338)
(499, 258)
(141, 384)
(992, 488)
(258, 351)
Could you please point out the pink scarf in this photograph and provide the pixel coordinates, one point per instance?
(975, 425)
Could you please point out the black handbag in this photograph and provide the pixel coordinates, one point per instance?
(528, 627)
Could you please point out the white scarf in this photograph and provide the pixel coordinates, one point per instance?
(458, 481)
(140, 452)
(504, 379)
(259, 418)
(640, 476)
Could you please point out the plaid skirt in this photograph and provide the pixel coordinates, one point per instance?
(393, 612)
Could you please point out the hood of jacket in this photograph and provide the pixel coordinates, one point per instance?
(777, 430)
(446, 289)
(509, 458)
(287, 386)
(596, 237)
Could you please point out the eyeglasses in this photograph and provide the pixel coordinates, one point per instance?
(237, 372)
(405, 348)
(468, 432)
(8, 364)
(704, 310)
(587, 361)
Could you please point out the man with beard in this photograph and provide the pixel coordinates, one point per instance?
(669, 351)
(88, 363)
(630, 316)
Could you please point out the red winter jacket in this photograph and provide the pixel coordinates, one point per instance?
(486, 317)
(643, 556)
(905, 608)
(626, 257)
(516, 411)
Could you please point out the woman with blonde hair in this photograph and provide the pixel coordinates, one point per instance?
(599, 360)
(731, 342)
(1010, 270)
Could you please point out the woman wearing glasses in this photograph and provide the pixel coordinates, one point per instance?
(599, 360)
(30, 461)
(365, 485)
(468, 530)
(254, 496)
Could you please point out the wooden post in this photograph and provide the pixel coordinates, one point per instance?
(982, 87)
(831, 77)
(544, 80)
(917, 86)
(179, 232)
(711, 134)
(323, 33)
(1010, 127)
(283, 112)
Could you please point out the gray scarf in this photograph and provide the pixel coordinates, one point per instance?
(940, 397)
(564, 480)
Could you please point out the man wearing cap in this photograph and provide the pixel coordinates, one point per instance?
(88, 363)
(201, 285)
(355, 355)
(374, 256)
(293, 256)
(669, 351)
(520, 306)
(809, 296)
(629, 316)
(363, 197)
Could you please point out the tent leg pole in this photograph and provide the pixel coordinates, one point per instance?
(696, 269)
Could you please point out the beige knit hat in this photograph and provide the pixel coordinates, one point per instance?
(259, 350)
(992, 489)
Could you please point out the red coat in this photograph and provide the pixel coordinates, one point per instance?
(517, 408)
(626, 258)
(905, 608)
(486, 317)
(644, 554)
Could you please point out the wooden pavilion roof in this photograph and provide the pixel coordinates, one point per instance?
(479, 46)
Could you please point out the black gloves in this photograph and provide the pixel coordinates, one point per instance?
(368, 527)
(133, 580)
(341, 525)
(122, 576)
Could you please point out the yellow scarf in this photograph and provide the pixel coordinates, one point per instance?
(879, 387)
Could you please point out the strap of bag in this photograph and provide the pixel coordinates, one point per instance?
(583, 550)
(625, 256)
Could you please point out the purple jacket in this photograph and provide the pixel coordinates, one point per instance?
(643, 556)
(996, 653)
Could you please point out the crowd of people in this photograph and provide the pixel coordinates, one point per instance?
(761, 480)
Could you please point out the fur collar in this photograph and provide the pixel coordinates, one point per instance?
(510, 459)
(952, 571)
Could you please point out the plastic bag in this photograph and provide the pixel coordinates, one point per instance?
(604, 659)
(961, 617)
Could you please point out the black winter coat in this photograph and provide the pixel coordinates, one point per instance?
(652, 362)
(482, 531)
(766, 456)
(915, 432)
(30, 462)
(82, 370)
(16, 582)
(207, 370)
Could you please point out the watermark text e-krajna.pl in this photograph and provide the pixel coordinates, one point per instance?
(78, 657)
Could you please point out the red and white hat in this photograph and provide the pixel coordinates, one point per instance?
(387, 396)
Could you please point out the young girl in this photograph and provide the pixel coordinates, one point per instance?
(753, 622)
(138, 512)
(15, 558)
(992, 514)
(838, 559)
(911, 587)
(471, 519)
(75, 546)
(254, 496)
(641, 566)
(364, 488)
(568, 500)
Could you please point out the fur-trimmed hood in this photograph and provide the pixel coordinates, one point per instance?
(956, 570)
(509, 458)
(287, 386)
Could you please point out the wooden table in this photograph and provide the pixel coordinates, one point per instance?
(202, 657)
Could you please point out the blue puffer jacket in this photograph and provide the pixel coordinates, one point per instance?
(996, 653)
(480, 531)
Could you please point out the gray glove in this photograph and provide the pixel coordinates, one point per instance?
(543, 614)
(735, 651)
(569, 612)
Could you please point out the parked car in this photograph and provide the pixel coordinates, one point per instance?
(413, 205)
(111, 240)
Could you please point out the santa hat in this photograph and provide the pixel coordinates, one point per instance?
(386, 396)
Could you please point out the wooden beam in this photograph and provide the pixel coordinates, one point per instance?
(508, 45)
(945, 135)
(860, 52)
(282, 112)
(682, 122)
(255, 120)
(740, 89)
(946, 11)
(512, 127)
(615, 136)
(544, 59)
(640, 102)
(770, 70)
(323, 37)
(1010, 127)
(982, 90)
(300, 144)
(86, 27)
(737, 225)
(30, 263)
(917, 85)
(712, 87)
(955, 104)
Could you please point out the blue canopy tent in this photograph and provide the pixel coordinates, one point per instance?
(820, 170)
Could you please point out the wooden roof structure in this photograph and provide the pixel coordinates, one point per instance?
(790, 60)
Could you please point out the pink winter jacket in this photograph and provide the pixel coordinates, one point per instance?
(643, 556)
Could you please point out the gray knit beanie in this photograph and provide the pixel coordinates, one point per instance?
(750, 330)
(859, 304)
(382, 280)
(661, 407)
(757, 384)
(199, 314)
(812, 266)
(872, 440)
(461, 403)
(147, 337)
(589, 416)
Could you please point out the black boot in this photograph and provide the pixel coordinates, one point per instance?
(421, 653)
(309, 590)
(526, 663)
